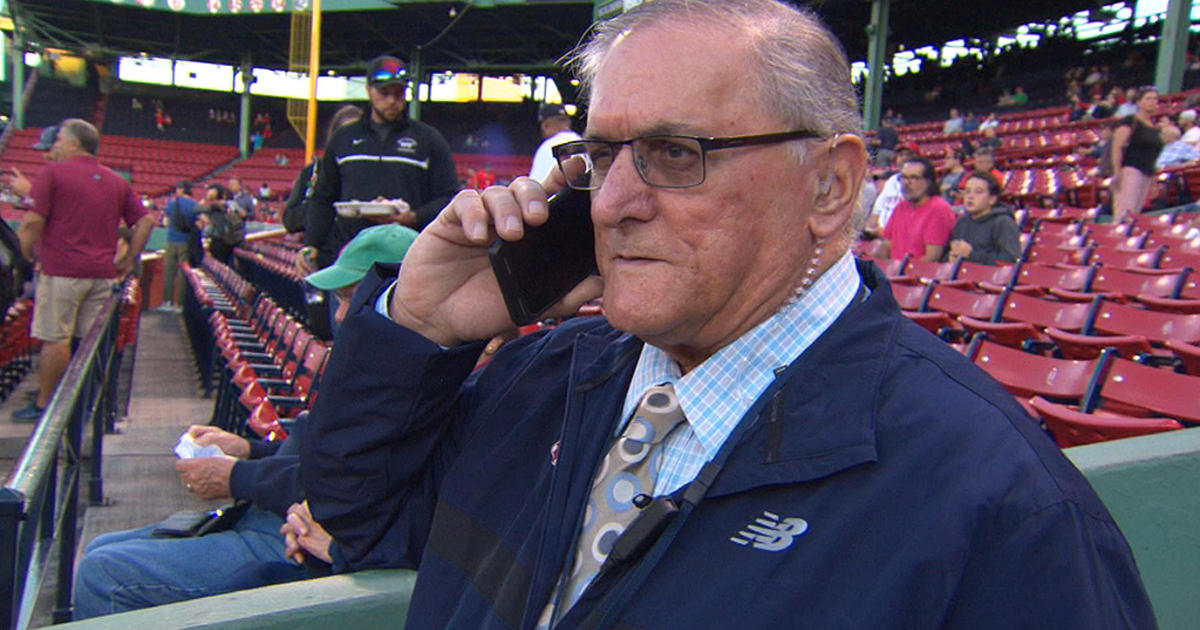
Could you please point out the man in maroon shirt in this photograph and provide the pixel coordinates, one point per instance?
(921, 223)
(78, 206)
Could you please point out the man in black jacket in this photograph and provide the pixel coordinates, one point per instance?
(384, 155)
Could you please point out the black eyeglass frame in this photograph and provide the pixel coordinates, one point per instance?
(706, 144)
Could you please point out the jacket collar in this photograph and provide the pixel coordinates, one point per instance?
(823, 422)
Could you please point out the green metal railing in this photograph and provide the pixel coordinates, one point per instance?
(39, 503)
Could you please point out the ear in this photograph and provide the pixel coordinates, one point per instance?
(838, 186)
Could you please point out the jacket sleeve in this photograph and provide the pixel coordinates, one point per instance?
(294, 204)
(1059, 568)
(271, 483)
(319, 221)
(374, 450)
(443, 181)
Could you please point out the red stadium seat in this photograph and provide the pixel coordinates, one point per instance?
(1071, 427)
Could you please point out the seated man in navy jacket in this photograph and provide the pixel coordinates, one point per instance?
(752, 436)
(135, 569)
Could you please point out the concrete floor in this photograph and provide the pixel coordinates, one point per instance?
(140, 482)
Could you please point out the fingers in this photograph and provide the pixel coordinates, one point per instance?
(499, 340)
(298, 518)
(291, 544)
(503, 211)
(590, 289)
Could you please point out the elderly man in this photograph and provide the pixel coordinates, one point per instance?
(78, 206)
(753, 436)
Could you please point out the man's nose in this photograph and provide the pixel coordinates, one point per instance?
(623, 194)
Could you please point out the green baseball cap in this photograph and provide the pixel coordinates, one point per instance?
(379, 244)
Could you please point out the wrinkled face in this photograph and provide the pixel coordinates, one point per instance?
(913, 184)
(387, 102)
(976, 197)
(695, 267)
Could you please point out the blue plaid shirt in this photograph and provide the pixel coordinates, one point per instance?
(717, 393)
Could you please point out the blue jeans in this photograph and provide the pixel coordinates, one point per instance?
(133, 569)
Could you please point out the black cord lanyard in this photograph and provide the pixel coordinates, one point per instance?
(653, 531)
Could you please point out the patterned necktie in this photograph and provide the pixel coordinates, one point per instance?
(629, 469)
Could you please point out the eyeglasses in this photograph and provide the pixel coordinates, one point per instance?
(662, 161)
(386, 76)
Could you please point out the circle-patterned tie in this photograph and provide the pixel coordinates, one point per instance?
(629, 469)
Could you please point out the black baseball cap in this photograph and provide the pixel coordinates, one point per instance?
(551, 110)
(386, 70)
(49, 135)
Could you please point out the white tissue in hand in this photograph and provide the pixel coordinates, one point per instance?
(187, 448)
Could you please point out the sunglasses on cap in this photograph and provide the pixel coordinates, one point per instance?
(388, 76)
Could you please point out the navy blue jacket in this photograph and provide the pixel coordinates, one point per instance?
(913, 490)
(270, 479)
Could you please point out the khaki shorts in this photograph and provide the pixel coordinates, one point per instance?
(67, 307)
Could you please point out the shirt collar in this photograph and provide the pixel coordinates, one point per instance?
(718, 392)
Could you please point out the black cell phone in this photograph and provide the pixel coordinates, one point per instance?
(536, 272)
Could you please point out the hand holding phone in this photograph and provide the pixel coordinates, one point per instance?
(447, 290)
(541, 268)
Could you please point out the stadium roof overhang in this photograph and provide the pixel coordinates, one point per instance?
(498, 36)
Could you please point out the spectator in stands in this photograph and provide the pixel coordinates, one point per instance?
(78, 206)
(921, 223)
(989, 142)
(182, 230)
(955, 172)
(295, 209)
(1005, 99)
(989, 122)
(954, 124)
(265, 193)
(136, 569)
(986, 233)
(1019, 97)
(238, 196)
(481, 179)
(227, 225)
(1079, 109)
(1135, 147)
(1191, 132)
(418, 169)
(1102, 107)
(984, 160)
(738, 323)
(1175, 151)
(556, 129)
(970, 122)
(1126, 103)
(890, 194)
(886, 141)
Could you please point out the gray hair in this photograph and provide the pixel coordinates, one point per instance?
(803, 77)
(82, 132)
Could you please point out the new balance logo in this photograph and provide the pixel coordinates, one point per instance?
(769, 533)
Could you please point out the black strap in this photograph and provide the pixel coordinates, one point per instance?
(605, 614)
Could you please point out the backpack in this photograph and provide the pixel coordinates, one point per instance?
(235, 226)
